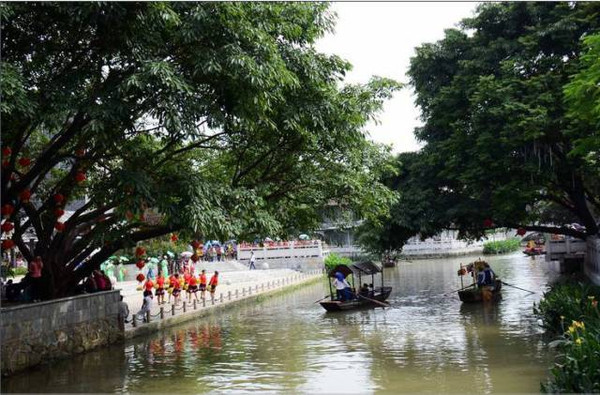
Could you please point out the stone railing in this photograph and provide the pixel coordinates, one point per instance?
(39, 332)
(556, 249)
(592, 259)
(303, 249)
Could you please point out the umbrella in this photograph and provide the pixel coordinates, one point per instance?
(153, 260)
(304, 237)
(216, 242)
(268, 239)
(170, 254)
(186, 254)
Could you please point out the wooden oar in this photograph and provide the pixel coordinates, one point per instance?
(514, 286)
(325, 297)
(374, 301)
(460, 289)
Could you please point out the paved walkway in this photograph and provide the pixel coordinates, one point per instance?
(247, 283)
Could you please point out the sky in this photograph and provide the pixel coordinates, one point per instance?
(379, 38)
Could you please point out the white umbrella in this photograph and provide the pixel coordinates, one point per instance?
(304, 237)
(186, 254)
(268, 239)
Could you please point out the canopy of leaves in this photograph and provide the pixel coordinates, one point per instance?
(216, 119)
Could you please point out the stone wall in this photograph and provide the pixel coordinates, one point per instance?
(36, 333)
(592, 259)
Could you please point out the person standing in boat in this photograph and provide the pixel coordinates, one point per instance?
(486, 277)
(341, 286)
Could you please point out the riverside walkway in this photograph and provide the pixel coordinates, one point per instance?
(234, 286)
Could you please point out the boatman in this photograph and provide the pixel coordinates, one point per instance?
(341, 285)
(486, 281)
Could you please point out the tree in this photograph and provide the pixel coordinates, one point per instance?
(215, 119)
(510, 114)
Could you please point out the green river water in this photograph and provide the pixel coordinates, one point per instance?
(425, 342)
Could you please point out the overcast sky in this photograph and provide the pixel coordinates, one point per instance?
(379, 39)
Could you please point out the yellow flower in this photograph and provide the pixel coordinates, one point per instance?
(562, 317)
(578, 341)
(591, 297)
(571, 329)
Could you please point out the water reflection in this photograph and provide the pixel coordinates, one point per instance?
(427, 342)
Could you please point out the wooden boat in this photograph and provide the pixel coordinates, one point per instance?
(388, 262)
(478, 295)
(376, 298)
(534, 251)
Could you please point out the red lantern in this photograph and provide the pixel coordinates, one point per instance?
(195, 258)
(7, 210)
(140, 264)
(25, 195)
(140, 251)
(80, 152)
(7, 244)
(59, 212)
(6, 151)
(24, 162)
(195, 244)
(174, 237)
(142, 217)
(129, 215)
(140, 277)
(58, 198)
(5, 163)
(488, 223)
(80, 177)
(7, 226)
(59, 226)
(521, 231)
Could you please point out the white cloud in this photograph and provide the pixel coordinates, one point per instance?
(379, 39)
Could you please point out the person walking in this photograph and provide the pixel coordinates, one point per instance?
(160, 288)
(203, 284)
(214, 281)
(146, 306)
(35, 272)
(252, 260)
(123, 313)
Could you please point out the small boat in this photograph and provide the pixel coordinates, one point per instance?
(375, 298)
(388, 262)
(534, 251)
(474, 293)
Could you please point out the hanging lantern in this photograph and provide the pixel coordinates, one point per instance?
(80, 152)
(58, 198)
(59, 226)
(140, 277)
(140, 264)
(7, 210)
(521, 231)
(174, 237)
(7, 226)
(24, 161)
(7, 244)
(59, 212)
(6, 151)
(195, 258)
(140, 251)
(129, 215)
(25, 195)
(488, 223)
(195, 244)
(80, 177)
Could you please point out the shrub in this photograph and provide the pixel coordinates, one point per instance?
(333, 259)
(501, 246)
(572, 310)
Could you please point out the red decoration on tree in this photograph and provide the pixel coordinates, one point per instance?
(129, 215)
(488, 223)
(140, 251)
(59, 212)
(58, 198)
(59, 226)
(80, 177)
(7, 210)
(80, 152)
(174, 237)
(195, 258)
(195, 244)
(521, 231)
(140, 264)
(140, 277)
(6, 151)
(7, 244)
(24, 161)
(7, 226)
(5, 163)
(25, 195)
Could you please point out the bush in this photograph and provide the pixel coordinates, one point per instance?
(333, 259)
(572, 310)
(501, 246)
(20, 271)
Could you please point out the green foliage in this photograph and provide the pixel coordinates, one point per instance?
(510, 125)
(332, 260)
(572, 310)
(501, 246)
(219, 120)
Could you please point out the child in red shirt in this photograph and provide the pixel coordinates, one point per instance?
(192, 288)
(160, 290)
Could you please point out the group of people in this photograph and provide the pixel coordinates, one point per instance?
(29, 289)
(345, 292)
(97, 281)
(174, 285)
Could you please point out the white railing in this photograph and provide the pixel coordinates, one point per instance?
(556, 249)
(302, 249)
(592, 259)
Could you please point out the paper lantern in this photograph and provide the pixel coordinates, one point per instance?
(140, 251)
(80, 152)
(7, 210)
(80, 177)
(59, 212)
(521, 231)
(24, 161)
(59, 226)
(488, 223)
(58, 198)
(25, 195)
(7, 226)
(195, 244)
(174, 237)
(6, 151)
(140, 277)
(7, 244)
(140, 264)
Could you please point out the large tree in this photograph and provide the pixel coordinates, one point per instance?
(215, 119)
(509, 103)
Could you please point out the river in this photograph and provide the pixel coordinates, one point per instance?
(425, 342)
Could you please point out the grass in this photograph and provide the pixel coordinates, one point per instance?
(501, 246)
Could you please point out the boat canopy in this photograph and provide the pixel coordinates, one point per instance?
(366, 267)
